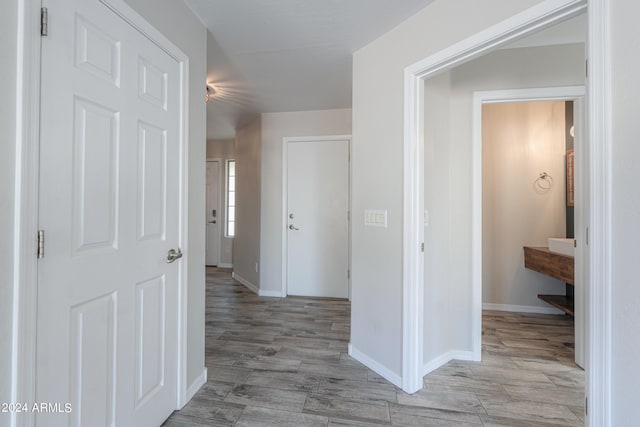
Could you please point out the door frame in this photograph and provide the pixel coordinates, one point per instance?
(221, 200)
(480, 98)
(598, 135)
(285, 201)
(25, 280)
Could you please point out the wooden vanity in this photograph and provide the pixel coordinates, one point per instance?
(555, 265)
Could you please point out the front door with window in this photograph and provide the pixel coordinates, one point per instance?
(213, 213)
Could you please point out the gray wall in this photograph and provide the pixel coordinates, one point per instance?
(221, 149)
(8, 40)
(246, 243)
(625, 227)
(378, 161)
(438, 244)
(276, 126)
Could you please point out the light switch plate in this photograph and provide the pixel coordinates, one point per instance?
(375, 218)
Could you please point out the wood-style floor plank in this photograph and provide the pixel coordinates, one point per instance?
(284, 362)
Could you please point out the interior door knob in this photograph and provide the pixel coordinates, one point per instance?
(173, 255)
(291, 227)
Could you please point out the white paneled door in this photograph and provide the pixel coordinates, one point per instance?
(107, 331)
(317, 218)
(213, 213)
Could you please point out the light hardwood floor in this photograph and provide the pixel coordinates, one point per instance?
(284, 362)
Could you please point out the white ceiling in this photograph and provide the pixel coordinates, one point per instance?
(287, 55)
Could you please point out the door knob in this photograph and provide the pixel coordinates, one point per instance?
(212, 222)
(173, 255)
(291, 227)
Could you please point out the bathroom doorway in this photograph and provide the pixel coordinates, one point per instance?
(515, 340)
(452, 175)
(463, 335)
(530, 194)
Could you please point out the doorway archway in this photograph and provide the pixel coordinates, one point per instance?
(542, 16)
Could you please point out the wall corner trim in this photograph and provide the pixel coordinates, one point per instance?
(195, 386)
(253, 288)
(256, 290)
(445, 358)
(270, 293)
(386, 373)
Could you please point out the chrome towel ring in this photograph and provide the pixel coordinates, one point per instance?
(543, 183)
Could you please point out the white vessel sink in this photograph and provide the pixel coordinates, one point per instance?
(562, 245)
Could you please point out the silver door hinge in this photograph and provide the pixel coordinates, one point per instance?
(40, 244)
(348, 274)
(587, 236)
(586, 68)
(421, 247)
(586, 406)
(44, 22)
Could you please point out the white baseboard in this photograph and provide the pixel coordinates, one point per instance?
(225, 265)
(521, 308)
(445, 358)
(196, 385)
(434, 364)
(268, 293)
(253, 288)
(392, 377)
(465, 355)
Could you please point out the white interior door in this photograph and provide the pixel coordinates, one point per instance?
(109, 204)
(213, 213)
(317, 213)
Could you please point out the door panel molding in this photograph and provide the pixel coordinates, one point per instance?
(93, 325)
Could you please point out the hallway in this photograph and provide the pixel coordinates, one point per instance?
(275, 361)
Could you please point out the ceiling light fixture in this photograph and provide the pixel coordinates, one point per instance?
(211, 91)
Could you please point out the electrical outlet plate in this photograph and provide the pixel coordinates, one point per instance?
(375, 218)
